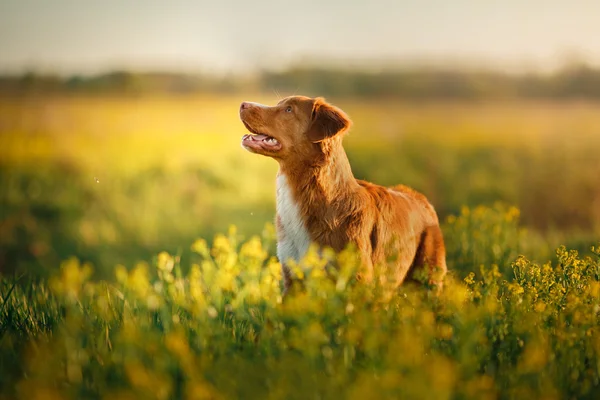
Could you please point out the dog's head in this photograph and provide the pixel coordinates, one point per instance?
(295, 128)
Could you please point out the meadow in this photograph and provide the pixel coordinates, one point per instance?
(137, 255)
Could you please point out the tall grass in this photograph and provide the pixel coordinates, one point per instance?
(221, 330)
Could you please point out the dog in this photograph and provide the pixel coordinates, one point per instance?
(319, 200)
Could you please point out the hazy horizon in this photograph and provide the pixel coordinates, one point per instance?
(66, 36)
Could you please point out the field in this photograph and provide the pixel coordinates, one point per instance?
(136, 254)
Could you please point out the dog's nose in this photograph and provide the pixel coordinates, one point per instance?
(245, 105)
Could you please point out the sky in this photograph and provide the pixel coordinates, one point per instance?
(86, 36)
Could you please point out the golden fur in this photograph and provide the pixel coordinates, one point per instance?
(304, 135)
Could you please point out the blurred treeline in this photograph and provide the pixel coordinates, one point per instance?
(577, 80)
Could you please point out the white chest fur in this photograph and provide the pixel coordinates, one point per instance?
(293, 239)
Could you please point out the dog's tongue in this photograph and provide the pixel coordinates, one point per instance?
(258, 137)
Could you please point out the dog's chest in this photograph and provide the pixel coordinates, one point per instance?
(293, 238)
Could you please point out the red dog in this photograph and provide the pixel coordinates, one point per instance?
(319, 200)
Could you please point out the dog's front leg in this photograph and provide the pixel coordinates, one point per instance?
(287, 278)
(290, 285)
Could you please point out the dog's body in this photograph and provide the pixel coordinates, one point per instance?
(319, 200)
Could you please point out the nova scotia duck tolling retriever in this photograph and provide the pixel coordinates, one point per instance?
(319, 200)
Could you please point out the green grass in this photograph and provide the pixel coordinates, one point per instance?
(222, 331)
(107, 292)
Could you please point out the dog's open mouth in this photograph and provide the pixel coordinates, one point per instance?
(260, 141)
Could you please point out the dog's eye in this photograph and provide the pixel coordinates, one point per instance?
(288, 109)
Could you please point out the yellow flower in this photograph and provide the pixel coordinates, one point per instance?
(232, 231)
(470, 279)
(195, 285)
(72, 278)
(512, 214)
(274, 269)
(200, 247)
(223, 251)
(177, 343)
(225, 280)
(253, 293)
(165, 262)
(252, 254)
(138, 280)
(153, 301)
(515, 288)
(121, 274)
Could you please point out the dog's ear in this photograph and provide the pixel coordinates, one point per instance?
(327, 121)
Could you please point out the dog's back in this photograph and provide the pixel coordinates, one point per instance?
(406, 233)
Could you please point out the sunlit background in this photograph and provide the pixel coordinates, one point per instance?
(119, 129)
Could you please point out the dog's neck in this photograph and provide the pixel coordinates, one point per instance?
(317, 184)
